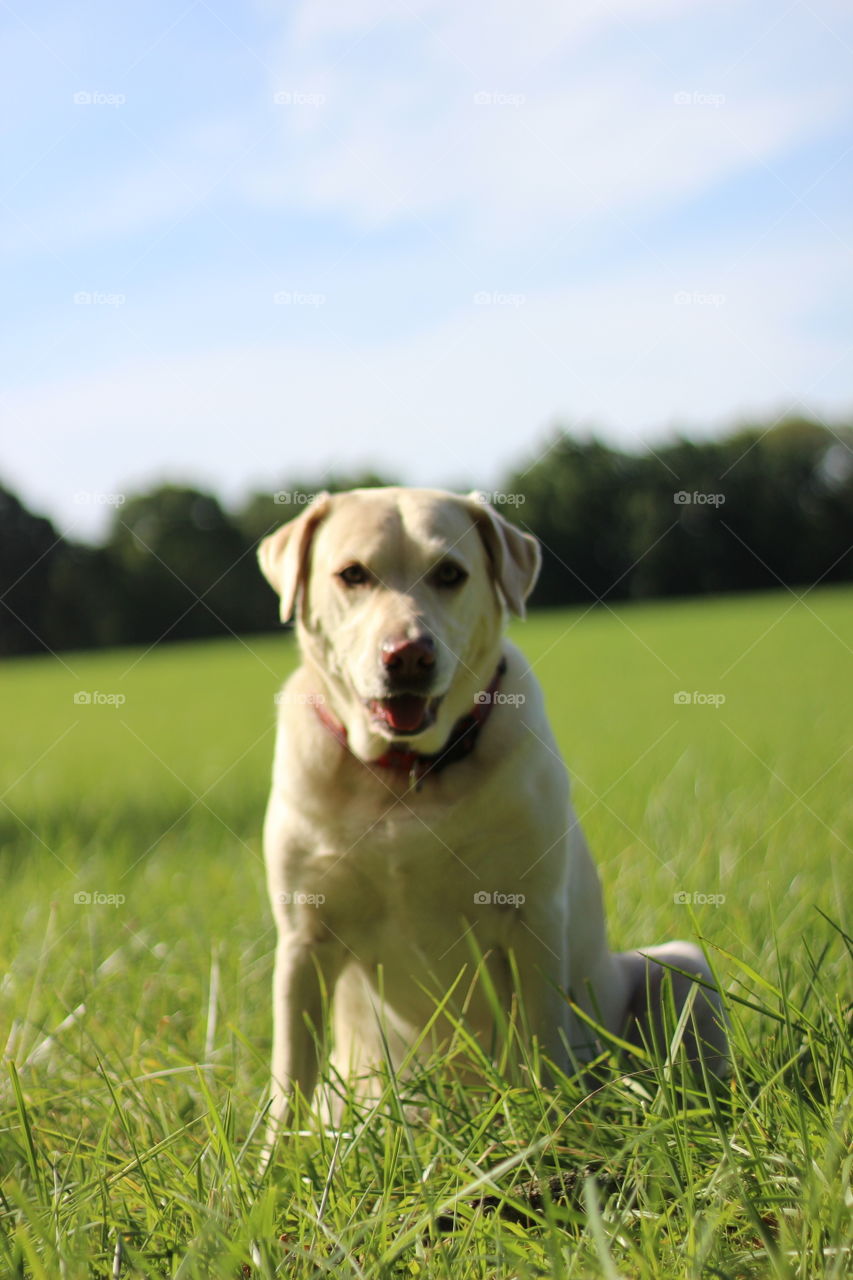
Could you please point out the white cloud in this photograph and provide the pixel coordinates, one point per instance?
(460, 400)
(577, 112)
(457, 29)
(554, 195)
(160, 182)
(399, 134)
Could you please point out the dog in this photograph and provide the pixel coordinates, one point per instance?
(420, 815)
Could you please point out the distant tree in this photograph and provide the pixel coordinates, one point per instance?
(755, 509)
(83, 599)
(576, 502)
(182, 569)
(792, 500)
(758, 507)
(30, 549)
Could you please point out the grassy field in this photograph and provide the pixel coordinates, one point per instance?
(137, 951)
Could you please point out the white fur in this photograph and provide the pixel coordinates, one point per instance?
(373, 884)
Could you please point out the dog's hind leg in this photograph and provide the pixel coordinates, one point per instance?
(644, 973)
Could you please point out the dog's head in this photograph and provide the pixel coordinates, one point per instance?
(400, 597)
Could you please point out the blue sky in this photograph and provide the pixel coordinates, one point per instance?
(245, 243)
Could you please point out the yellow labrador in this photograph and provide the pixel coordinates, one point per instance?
(419, 801)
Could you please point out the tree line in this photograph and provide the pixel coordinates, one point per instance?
(761, 507)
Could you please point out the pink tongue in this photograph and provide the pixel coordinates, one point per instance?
(404, 713)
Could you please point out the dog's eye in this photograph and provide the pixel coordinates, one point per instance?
(354, 575)
(449, 574)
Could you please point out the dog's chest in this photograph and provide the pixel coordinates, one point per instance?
(415, 877)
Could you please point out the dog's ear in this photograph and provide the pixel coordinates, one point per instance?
(283, 556)
(515, 556)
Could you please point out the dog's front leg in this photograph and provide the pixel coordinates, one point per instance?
(305, 976)
(541, 960)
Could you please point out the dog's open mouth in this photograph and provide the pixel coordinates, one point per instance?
(404, 712)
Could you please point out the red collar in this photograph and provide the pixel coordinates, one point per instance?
(460, 744)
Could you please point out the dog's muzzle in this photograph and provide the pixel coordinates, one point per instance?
(408, 669)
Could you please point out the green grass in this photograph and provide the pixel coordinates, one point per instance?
(130, 1101)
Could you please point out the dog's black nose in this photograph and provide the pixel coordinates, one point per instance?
(405, 658)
